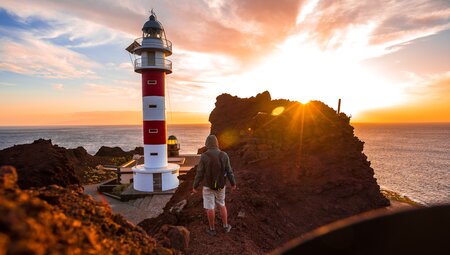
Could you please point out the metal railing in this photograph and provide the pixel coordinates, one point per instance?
(154, 43)
(159, 63)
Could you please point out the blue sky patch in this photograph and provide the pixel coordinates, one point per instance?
(8, 19)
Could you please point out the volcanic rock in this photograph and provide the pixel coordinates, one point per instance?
(8, 177)
(106, 151)
(41, 163)
(176, 237)
(57, 220)
(297, 166)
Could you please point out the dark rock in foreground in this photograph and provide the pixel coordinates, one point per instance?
(56, 220)
(298, 167)
(42, 163)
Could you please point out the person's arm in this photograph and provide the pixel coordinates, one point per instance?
(229, 172)
(200, 173)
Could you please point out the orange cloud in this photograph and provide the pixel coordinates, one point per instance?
(393, 22)
(35, 57)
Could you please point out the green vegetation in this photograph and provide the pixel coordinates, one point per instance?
(94, 176)
(120, 188)
(397, 197)
(118, 161)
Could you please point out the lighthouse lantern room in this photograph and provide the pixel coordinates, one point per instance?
(150, 52)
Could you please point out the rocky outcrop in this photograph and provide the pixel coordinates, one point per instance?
(56, 220)
(298, 166)
(106, 151)
(42, 163)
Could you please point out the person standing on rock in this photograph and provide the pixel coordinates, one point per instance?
(214, 167)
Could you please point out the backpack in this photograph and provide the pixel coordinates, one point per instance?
(215, 177)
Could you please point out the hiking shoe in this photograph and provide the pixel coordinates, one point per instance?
(227, 228)
(211, 232)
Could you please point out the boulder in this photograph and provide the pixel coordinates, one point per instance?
(176, 237)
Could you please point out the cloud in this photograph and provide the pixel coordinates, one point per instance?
(126, 66)
(118, 88)
(242, 29)
(7, 84)
(104, 13)
(389, 22)
(432, 87)
(245, 30)
(30, 56)
(58, 86)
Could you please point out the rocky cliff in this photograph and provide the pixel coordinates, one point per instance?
(298, 166)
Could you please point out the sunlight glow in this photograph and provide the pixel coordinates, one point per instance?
(277, 111)
(301, 71)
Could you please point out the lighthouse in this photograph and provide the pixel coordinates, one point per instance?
(150, 52)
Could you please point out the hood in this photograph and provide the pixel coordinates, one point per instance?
(212, 142)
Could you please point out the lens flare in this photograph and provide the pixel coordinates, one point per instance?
(277, 111)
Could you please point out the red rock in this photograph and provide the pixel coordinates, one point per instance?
(57, 220)
(317, 174)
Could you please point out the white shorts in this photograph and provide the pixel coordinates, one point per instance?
(211, 197)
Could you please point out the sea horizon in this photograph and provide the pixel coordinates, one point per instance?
(410, 159)
(200, 124)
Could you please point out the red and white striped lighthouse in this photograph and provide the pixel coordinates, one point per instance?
(150, 52)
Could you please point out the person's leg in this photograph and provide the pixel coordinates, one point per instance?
(220, 200)
(208, 204)
(224, 215)
(211, 216)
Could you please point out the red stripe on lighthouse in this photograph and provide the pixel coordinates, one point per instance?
(154, 132)
(153, 83)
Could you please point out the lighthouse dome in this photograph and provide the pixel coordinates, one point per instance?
(152, 25)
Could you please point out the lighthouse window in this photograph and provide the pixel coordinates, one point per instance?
(153, 130)
(152, 106)
(151, 82)
(154, 154)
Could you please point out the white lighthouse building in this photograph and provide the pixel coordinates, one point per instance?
(150, 52)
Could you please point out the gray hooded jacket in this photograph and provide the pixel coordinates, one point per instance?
(212, 144)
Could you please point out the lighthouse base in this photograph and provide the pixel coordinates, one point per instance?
(155, 179)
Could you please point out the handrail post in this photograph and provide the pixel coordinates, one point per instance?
(118, 175)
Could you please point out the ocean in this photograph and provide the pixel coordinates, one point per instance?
(411, 159)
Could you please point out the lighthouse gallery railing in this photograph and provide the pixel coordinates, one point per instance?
(160, 63)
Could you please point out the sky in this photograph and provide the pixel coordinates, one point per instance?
(64, 62)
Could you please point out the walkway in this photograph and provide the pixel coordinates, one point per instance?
(139, 209)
